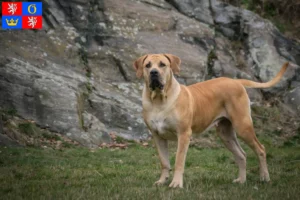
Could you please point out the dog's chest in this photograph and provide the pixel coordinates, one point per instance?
(163, 124)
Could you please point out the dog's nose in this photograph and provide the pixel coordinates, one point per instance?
(154, 72)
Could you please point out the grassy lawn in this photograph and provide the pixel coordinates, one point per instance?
(79, 173)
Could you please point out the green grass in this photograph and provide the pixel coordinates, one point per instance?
(79, 173)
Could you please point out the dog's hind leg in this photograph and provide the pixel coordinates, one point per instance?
(228, 136)
(240, 117)
(246, 132)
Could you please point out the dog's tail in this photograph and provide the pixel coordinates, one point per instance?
(252, 84)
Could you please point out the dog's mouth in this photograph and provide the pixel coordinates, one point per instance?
(156, 83)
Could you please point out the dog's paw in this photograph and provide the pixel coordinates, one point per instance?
(159, 182)
(176, 184)
(265, 178)
(239, 180)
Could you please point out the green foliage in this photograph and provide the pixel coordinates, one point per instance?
(120, 140)
(210, 63)
(89, 87)
(10, 112)
(212, 56)
(29, 134)
(50, 136)
(294, 141)
(270, 10)
(83, 56)
(280, 25)
(68, 145)
(277, 132)
(6, 114)
(245, 2)
(88, 73)
(28, 128)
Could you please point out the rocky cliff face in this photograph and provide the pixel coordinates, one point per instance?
(75, 76)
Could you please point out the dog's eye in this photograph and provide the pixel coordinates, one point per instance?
(162, 64)
(148, 65)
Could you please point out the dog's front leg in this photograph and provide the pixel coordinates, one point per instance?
(183, 145)
(162, 148)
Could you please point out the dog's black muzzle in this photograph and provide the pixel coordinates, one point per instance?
(155, 80)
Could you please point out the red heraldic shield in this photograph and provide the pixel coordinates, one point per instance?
(32, 22)
(11, 8)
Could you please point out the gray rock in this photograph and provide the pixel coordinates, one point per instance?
(76, 77)
(267, 49)
(198, 9)
(47, 96)
(292, 99)
(6, 141)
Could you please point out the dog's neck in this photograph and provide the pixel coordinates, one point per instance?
(169, 93)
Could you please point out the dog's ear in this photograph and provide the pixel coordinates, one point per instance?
(175, 62)
(138, 65)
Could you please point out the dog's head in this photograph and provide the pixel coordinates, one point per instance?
(157, 69)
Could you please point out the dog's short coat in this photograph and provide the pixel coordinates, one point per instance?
(173, 112)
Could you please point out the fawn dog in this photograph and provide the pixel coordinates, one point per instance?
(173, 112)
